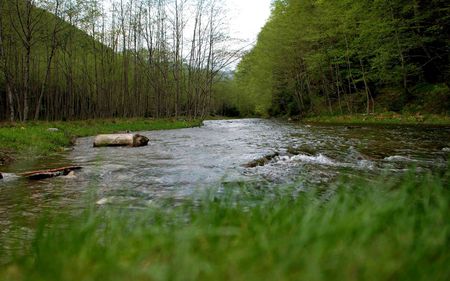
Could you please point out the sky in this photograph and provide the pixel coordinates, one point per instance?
(247, 17)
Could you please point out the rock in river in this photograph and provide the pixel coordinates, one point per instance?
(133, 140)
(262, 161)
(304, 149)
(1, 176)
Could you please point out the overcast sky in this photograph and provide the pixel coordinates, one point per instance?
(247, 17)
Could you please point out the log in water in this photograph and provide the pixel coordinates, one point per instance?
(40, 175)
(133, 140)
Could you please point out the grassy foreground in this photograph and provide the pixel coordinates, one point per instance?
(35, 139)
(381, 119)
(395, 230)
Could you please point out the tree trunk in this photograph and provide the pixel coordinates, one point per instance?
(367, 90)
(6, 71)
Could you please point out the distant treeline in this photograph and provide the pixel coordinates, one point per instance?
(64, 59)
(348, 56)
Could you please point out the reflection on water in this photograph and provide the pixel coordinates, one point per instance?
(178, 163)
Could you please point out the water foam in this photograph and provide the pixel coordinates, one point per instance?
(398, 158)
(8, 177)
(319, 159)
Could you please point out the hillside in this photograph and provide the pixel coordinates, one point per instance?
(346, 57)
(43, 55)
(75, 60)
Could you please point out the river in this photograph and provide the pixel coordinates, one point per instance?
(181, 163)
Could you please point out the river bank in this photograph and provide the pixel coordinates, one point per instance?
(381, 119)
(36, 139)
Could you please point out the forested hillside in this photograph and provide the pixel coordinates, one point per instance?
(348, 56)
(64, 59)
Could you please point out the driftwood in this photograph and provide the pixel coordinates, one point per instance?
(40, 175)
(133, 140)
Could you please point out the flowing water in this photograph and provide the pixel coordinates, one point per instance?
(181, 163)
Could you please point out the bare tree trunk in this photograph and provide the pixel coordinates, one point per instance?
(6, 70)
(28, 19)
(350, 80)
(178, 37)
(54, 44)
(125, 93)
(366, 88)
(401, 56)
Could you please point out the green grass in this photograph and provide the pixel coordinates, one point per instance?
(396, 229)
(34, 139)
(381, 119)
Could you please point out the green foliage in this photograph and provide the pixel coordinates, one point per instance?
(227, 98)
(338, 56)
(396, 229)
(433, 98)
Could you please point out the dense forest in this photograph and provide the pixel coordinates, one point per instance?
(347, 56)
(66, 59)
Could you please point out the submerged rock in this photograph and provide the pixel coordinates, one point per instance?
(102, 201)
(304, 149)
(353, 127)
(262, 161)
(133, 140)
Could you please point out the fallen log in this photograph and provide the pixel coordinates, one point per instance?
(133, 140)
(40, 175)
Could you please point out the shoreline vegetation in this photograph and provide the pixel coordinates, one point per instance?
(347, 57)
(35, 139)
(395, 228)
(388, 118)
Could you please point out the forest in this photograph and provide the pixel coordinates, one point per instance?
(350, 56)
(66, 60)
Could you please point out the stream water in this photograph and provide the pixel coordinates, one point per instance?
(184, 162)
